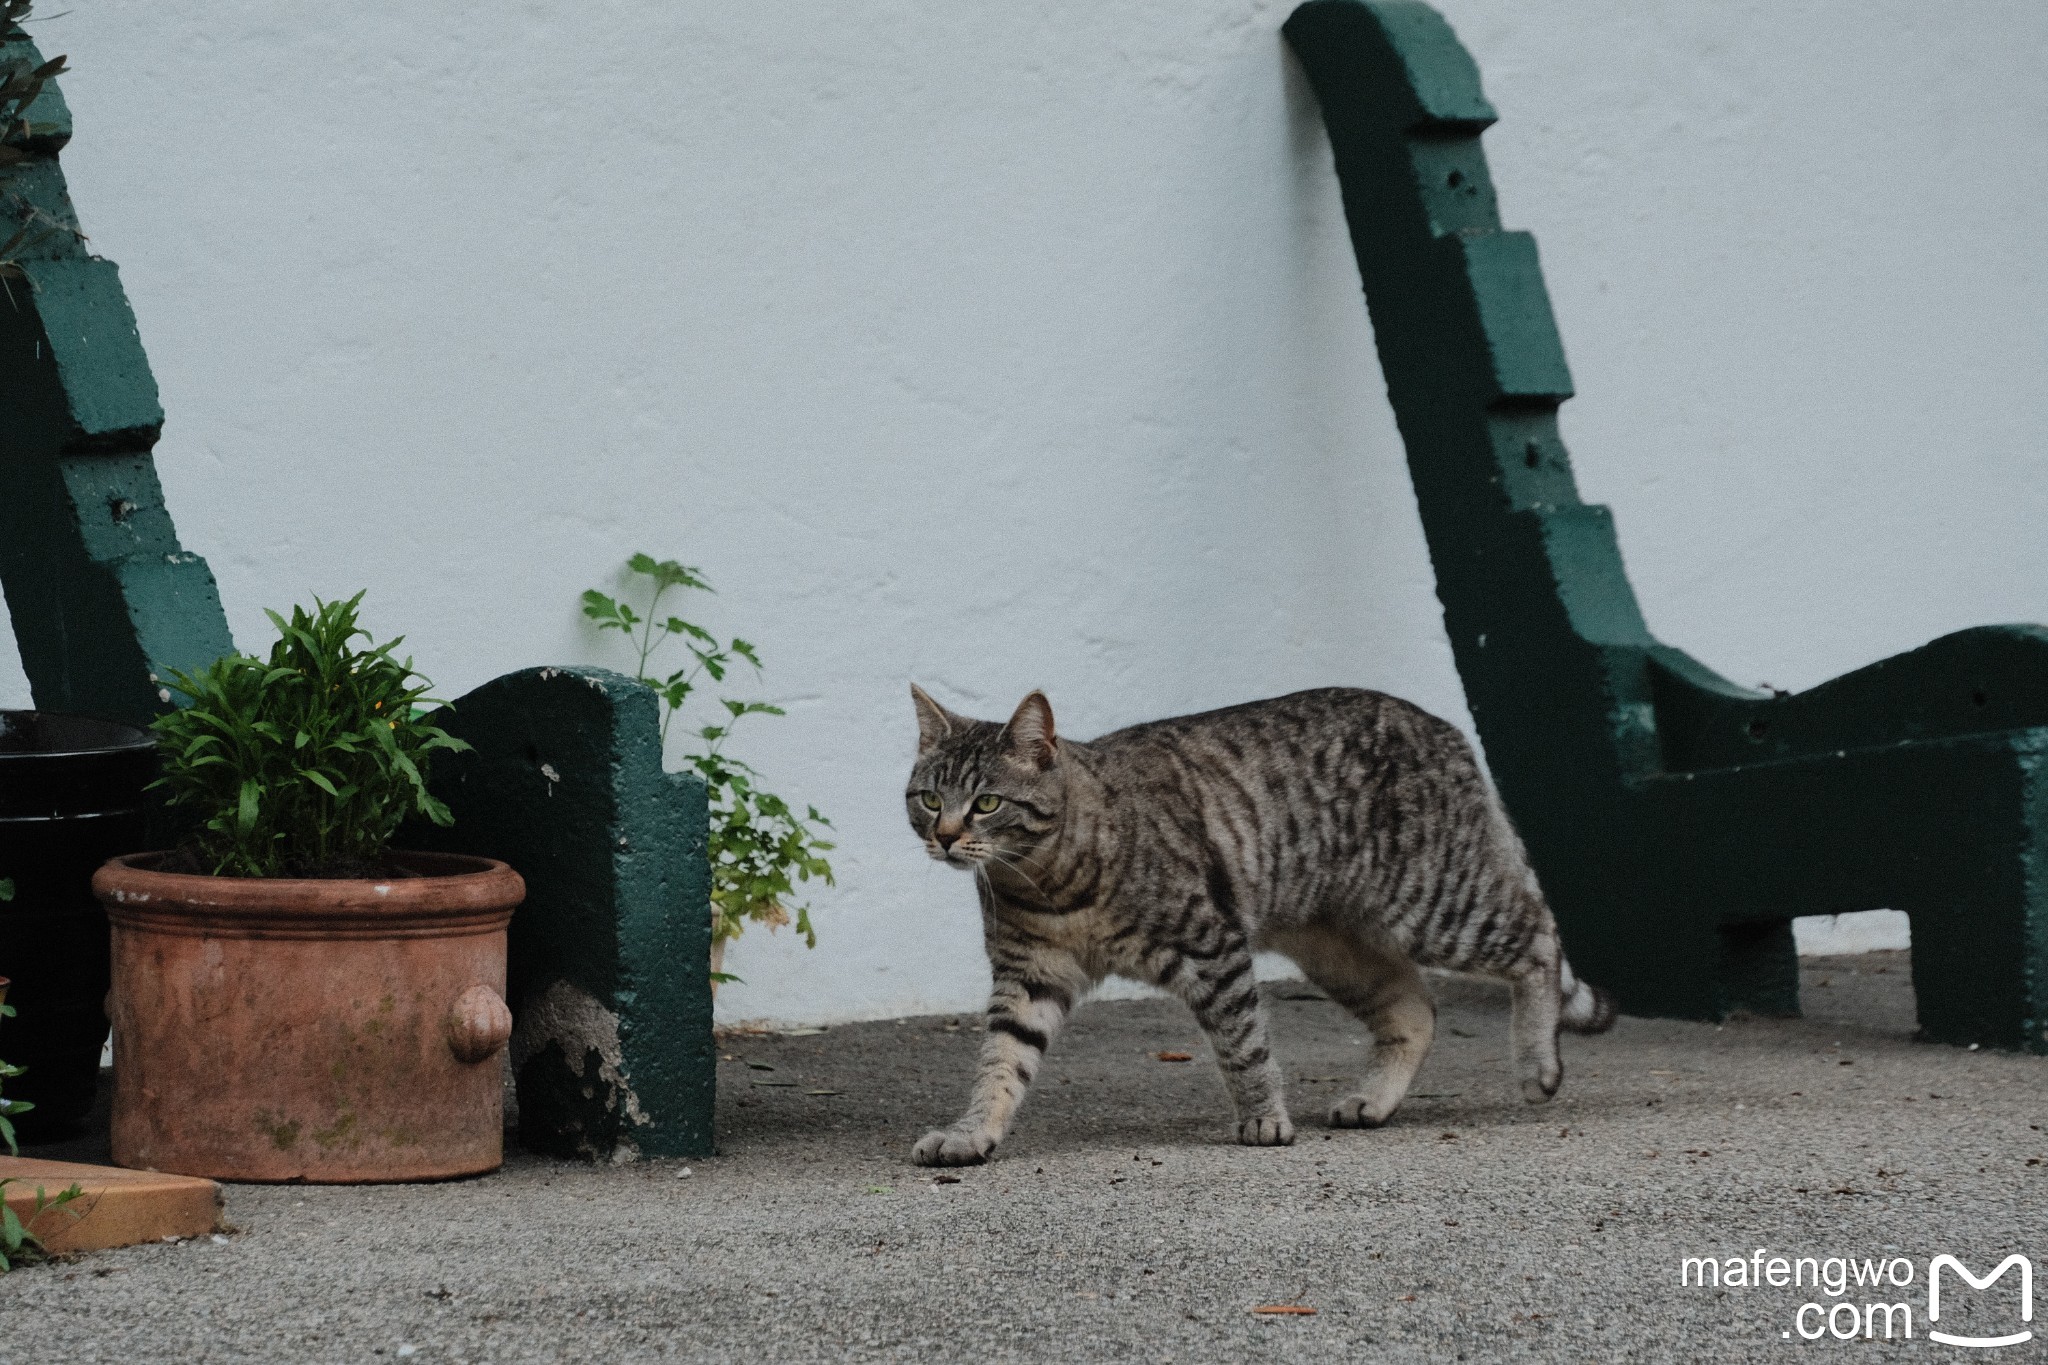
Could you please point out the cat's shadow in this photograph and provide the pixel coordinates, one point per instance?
(1115, 1081)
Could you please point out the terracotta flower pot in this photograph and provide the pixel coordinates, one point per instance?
(326, 1031)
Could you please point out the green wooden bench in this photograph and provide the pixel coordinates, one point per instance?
(610, 953)
(1679, 822)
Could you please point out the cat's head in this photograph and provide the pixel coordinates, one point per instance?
(983, 793)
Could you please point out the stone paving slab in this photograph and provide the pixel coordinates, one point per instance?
(1120, 1224)
(115, 1207)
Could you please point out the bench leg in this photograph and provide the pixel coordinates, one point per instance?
(1980, 963)
(1760, 969)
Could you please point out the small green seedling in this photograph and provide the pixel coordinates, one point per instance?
(760, 846)
(19, 1242)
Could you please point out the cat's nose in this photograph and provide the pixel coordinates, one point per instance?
(947, 838)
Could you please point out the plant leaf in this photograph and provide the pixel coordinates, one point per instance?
(246, 805)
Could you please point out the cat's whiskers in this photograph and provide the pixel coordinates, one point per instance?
(1014, 862)
(1020, 857)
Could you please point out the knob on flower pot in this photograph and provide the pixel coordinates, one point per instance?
(478, 1025)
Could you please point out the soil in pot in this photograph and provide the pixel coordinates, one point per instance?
(71, 796)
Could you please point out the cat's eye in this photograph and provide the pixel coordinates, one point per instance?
(929, 800)
(986, 802)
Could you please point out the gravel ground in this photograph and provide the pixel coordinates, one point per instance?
(1119, 1224)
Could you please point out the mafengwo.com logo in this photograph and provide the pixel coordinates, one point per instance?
(1883, 1297)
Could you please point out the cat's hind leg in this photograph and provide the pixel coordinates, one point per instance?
(1387, 994)
(1534, 982)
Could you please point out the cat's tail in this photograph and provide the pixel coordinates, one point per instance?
(1583, 1008)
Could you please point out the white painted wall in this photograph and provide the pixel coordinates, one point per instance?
(1001, 347)
(1860, 931)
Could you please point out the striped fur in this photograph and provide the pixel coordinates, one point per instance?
(1347, 829)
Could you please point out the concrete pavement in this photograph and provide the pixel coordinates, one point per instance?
(1120, 1224)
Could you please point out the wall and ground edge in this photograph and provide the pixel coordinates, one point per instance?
(1024, 349)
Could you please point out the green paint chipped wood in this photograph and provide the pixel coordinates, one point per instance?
(1679, 821)
(608, 975)
(104, 600)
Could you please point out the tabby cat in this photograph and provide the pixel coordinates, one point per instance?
(1347, 829)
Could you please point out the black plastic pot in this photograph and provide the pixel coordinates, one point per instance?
(71, 797)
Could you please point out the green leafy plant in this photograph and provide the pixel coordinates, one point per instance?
(18, 1240)
(19, 1243)
(9, 1108)
(21, 84)
(306, 763)
(760, 847)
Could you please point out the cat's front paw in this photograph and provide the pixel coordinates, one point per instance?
(952, 1147)
(1268, 1130)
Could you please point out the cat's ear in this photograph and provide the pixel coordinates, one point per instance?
(934, 722)
(1029, 735)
